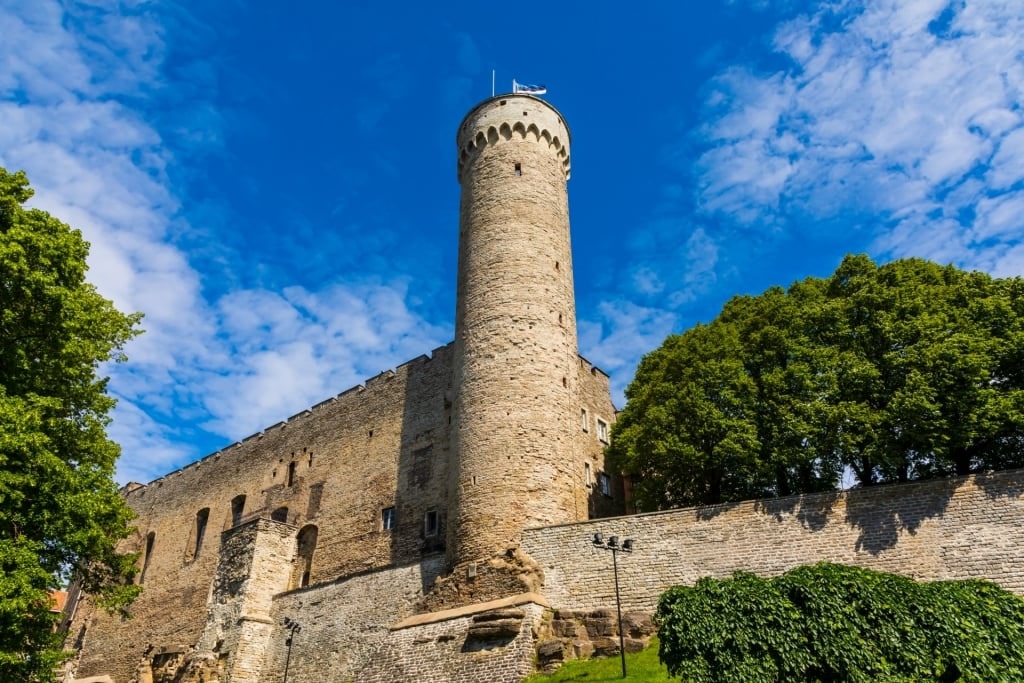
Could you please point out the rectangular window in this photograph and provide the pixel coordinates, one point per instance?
(584, 420)
(606, 484)
(387, 519)
(602, 430)
(430, 523)
(519, 169)
(588, 475)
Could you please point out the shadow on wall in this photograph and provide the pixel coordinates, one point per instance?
(420, 498)
(812, 511)
(996, 485)
(880, 513)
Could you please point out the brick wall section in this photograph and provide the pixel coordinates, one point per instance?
(254, 567)
(969, 527)
(344, 622)
(442, 652)
(353, 454)
(595, 398)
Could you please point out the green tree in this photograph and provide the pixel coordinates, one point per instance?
(903, 371)
(839, 624)
(60, 511)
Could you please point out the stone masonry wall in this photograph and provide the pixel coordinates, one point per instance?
(970, 527)
(343, 622)
(335, 466)
(447, 652)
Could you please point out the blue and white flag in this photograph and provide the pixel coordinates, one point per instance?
(528, 89)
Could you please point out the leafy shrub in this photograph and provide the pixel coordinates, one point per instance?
(834, 623)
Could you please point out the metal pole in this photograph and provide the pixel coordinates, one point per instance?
(618, 607)
(293, 628)
(288, 658)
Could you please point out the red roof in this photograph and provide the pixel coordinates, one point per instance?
(59, 598)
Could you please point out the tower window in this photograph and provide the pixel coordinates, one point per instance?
(606, 483)
(584, 420)
(588, 475)
(150, 542)
(602, 430)
(291, 474)
(304, 560)
(519, 169)
(387, 519)
(202, 517)
(430, 523)
(237, 508)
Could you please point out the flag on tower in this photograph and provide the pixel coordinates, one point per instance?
(528, 89)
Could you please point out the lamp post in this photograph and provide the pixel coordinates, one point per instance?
(627, 547)
(292, 627)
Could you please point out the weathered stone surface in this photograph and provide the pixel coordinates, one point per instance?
(637, 624)
(605, 647)
(634, 644)
(600, 623)
(495, 630)
(550, 649)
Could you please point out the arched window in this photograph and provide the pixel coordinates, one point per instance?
(304, 556)
(280, 514)
(150, 540)
(202, 517)
(237, 508)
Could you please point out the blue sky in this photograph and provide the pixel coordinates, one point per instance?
(273, 184)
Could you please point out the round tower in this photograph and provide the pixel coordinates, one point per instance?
(515, 363)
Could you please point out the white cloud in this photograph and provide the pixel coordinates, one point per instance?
(69, 95)
(622, 333)
(905, 111)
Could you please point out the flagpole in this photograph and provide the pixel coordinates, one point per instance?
(492, 82)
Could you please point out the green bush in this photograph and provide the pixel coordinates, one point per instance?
(833, 623)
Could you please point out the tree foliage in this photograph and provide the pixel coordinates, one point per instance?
(840, 624)
(60, 511)
(903, 371)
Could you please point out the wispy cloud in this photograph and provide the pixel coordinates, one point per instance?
(906, 114)
(73, 114)
(623, 332)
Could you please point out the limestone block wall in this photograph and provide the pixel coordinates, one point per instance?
(343, 623)
(970, 527)
(447, 652)
(595, 415)
(254, 567)
(336, 466)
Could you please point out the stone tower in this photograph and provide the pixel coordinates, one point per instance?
(516, 358)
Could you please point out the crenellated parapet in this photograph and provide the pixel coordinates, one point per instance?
(507, 117)
(346, 401)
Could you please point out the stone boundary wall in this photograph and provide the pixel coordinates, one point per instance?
(447, 652)
(344, 622)
(969, 527)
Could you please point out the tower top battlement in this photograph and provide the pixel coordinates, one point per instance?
(501, 117)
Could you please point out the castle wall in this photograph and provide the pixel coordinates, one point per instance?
(971, 527)
(335, 466)
(343, 623)
(448, 652)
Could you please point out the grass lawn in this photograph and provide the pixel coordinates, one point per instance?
(642, 666)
